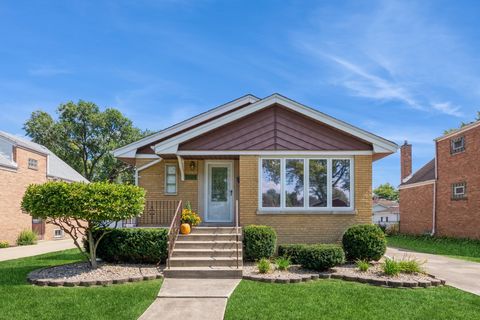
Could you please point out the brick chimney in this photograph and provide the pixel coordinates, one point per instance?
(405, 160)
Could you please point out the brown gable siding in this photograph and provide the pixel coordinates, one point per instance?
(148, 148)
(275, 128)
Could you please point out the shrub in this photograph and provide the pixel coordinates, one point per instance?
(283, 263)
(321, 257)
(26, 237)
(263, 265)
(391, 267)
(132, 245)
(411, 266)
(259, 242)
(364, 242)
(4, 244)
(362, 265)
(96, 205)
(291, 251)
(392, 229)
(383, 227)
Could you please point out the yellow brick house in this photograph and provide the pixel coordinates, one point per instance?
(270, 161)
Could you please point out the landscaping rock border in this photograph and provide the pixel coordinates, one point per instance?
(434, 282)
(32, 278)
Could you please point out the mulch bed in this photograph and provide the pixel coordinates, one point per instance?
(345, 272)
(80, 274)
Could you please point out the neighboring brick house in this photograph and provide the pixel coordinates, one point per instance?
(22, 163)
(304, 173)
(385, 212)
(443, 197)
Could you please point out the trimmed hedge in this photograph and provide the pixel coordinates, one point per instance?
(321, 257)
(291, 251)
(364, 242)
(133, 245)
(259, 242)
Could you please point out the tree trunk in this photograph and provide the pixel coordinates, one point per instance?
(92, 249)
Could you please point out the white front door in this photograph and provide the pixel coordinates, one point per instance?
(219, 191)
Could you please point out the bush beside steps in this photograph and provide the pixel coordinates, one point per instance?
(132, 245)
(259, 242)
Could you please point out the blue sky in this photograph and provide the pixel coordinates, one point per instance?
(400, 69)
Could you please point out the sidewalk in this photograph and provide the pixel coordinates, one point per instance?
(460, 274)
(40, 248)
(191, 299)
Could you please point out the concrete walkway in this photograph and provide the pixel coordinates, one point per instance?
(191, 299)
(460, 274)
(40, 248)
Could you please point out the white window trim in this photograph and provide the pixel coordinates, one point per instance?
(306, 209)
(59, 236)
(166, 178)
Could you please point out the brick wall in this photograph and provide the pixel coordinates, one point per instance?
(416, 207)
(152, 179)
(305, 228)
(13, 185)
(459, 218)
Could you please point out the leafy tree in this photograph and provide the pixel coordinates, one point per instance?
(386, 191)
(82, 209)
(83, 137)
(463, 124)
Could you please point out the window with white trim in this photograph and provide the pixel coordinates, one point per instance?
(457, 145)
(170, 179)
(58, 233)
(459, 190)
(308, 184)
(32, 164)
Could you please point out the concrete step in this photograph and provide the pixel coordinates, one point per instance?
(207, 252)
(205, 262)
(208, 237)
(203, 272)
(216, 230)
(212, 244)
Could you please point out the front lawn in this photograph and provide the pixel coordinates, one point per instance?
(336, 299)
(20, 300)
(456, 248)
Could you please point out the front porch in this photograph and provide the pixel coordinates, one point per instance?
(209, 185)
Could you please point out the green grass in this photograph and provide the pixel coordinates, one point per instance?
(456, 248)
(20, 300)
(336, 299)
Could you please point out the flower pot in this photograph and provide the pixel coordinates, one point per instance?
(185, 228)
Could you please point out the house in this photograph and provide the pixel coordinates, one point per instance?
(385, 212)
(23, 162)
(443, 197)
(286, 165)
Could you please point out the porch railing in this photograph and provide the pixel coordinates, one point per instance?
(236, 228)
(158, 213)
(173, 231)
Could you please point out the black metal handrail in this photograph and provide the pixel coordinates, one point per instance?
(173, 231)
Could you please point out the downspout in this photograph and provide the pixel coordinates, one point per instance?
(434, 206)
(136, 176)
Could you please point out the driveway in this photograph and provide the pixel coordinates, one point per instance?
(460, 274)
(40, 248)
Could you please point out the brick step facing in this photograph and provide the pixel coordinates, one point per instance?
(208, 252)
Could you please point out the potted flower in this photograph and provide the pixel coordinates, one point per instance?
(189, 219)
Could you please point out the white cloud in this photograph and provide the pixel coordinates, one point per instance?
(47, 71)
(369, 85)
(447, 108)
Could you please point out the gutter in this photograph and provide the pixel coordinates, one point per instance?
(434, 206)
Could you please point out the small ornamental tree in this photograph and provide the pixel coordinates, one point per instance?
(81, 209)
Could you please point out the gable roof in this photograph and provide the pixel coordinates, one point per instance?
(425, 173)
(56, 167)
(129, 149)
(169, 143)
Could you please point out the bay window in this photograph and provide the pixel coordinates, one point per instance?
(306, 184)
